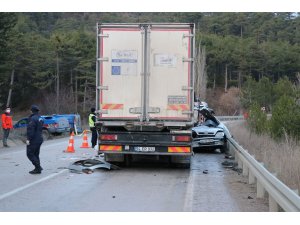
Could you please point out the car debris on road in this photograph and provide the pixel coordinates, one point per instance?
(89, 165)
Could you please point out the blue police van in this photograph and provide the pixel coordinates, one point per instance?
(53, 125)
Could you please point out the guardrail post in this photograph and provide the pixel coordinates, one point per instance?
(245, 169)
(251, 177)
(273, 206)
(231, 150)
(240, 163)
(260, 190)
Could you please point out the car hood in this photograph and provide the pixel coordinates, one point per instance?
(205, 130)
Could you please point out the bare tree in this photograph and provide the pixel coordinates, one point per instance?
(240, 80)
(226, 78)
(84, 96)
(10, 88)
(66, 101)
(57, 84)
(200, 73)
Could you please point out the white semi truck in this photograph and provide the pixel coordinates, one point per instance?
(145, 91)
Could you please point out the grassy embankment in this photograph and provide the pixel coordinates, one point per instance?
(281, 158)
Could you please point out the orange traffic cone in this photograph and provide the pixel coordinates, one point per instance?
(70, 148)
(85, 143)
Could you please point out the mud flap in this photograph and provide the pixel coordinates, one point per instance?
(89, 165)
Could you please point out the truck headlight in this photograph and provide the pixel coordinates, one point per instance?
(220, 135)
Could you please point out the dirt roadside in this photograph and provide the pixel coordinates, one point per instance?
(244, 193)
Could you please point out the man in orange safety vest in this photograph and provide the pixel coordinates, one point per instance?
(7, 125)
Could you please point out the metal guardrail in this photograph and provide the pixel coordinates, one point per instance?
(280, 196)
(229, 118)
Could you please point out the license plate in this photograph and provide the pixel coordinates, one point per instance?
(144, 149)
(206, 141)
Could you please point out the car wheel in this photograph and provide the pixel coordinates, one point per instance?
(45, 135)
(224, 148)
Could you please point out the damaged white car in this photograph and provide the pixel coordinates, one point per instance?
(209, 133)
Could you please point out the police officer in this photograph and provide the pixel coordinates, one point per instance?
(34, 139)
(92, 120)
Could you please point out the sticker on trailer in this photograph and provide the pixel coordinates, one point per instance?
(172, 100)
(116, 70)
(124, 62)
(166, 60)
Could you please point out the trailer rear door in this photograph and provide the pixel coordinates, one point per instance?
(170, 73)
(120, 53)
(145, 71)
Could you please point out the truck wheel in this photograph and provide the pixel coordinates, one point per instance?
(127, 160)
(45, 134)
(181, 162)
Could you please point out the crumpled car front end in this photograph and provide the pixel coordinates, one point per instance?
(204, 136)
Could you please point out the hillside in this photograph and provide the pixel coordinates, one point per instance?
(52, 55)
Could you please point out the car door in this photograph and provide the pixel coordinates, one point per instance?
(20, 128)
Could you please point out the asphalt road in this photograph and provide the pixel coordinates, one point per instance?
(140, 188)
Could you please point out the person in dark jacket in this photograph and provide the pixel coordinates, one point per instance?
(34, 139)
(92, 120)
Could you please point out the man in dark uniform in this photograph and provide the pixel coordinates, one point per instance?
(34, 139)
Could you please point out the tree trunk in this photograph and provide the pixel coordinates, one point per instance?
(241, 31)
(214, 85)
(76, 94)
(201, 75)
(226, 78)
(57, 84)
(10, 89)
(84, 96)
(240, 80)
(71, 82)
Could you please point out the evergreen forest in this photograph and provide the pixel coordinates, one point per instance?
(250, 57)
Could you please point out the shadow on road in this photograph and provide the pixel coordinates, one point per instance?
(209, 150)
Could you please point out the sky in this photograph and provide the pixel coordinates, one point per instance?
(152, 6)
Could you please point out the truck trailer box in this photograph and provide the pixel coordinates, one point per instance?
(145, 87)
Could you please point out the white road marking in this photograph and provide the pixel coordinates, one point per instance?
(15, 191)
(23, 150)
(189, 195)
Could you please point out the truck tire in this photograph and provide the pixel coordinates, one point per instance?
(183, 162)
(127, 160)
(45, 135)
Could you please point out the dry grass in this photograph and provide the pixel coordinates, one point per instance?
(281, 158)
